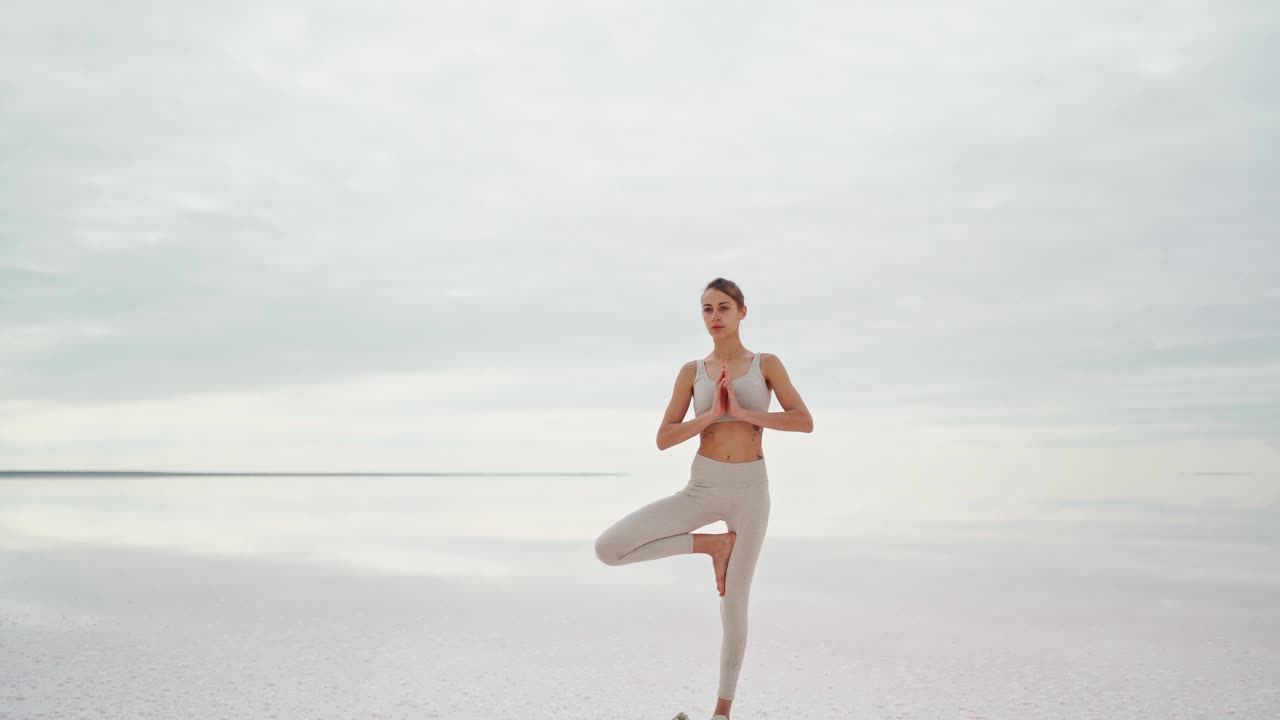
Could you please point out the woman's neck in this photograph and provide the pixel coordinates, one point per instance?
(728, 349)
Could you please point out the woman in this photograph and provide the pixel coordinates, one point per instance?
(727, 481)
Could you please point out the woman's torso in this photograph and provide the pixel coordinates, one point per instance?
(726, 439)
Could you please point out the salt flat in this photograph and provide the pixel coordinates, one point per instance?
(980, 624)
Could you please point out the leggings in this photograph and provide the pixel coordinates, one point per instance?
(738, 494)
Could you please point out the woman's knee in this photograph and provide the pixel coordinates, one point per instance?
(607, 550)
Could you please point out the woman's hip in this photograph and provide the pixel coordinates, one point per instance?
(709, 472)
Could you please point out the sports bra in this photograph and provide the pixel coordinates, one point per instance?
(751, 390)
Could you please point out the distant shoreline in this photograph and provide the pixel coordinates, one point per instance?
(165, 473)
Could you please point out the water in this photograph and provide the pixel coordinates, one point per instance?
(453, 524)
(322, 596)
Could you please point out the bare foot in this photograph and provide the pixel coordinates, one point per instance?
(720, 558)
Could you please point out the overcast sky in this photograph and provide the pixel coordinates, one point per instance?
(990, 240)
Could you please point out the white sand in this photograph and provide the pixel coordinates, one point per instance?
(996, 626)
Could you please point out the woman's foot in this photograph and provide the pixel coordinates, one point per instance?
(719, 546)
(720, 558)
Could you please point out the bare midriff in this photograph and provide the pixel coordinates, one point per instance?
(732, 441)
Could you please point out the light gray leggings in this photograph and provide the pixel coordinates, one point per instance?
(738, 494)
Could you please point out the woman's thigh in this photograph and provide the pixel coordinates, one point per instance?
(677, 514)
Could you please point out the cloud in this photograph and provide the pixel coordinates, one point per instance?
(982, 216)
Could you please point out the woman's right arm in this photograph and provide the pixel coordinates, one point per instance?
(675, 429)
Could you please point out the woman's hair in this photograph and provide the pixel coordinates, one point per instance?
(728, 287)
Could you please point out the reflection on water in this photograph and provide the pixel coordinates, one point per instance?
(466, 525)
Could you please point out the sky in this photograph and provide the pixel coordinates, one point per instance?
(1003, 249)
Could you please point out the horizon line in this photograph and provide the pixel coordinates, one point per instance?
(223, 473)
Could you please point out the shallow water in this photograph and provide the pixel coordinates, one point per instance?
(211, 597)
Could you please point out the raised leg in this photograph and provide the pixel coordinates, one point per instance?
(660, 529)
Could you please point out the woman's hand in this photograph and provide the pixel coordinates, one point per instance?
(731, 400)
(720, 403)
(726, 401)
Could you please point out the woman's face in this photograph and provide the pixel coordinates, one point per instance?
(719, 313)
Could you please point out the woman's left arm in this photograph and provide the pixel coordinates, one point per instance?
(795, 415)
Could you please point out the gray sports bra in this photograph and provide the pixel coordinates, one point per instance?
(750, 389)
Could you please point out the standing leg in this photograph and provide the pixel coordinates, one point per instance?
(749, 517)
(660, 529)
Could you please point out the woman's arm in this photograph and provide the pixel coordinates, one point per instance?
(795, 415)
(675, 433)
(672, 431)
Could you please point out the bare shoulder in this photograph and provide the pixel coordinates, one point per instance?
(775, 375)
(686, 373)
(772, 369)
